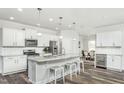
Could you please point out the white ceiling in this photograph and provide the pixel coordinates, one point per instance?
(86, 18)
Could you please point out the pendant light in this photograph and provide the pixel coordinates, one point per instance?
(74, 26)
(39, 15)
(60, 24)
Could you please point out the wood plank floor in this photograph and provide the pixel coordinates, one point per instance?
(90, 76)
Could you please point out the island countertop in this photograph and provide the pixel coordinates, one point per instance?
(51, 58)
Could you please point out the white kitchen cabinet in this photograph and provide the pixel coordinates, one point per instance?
(8, 37)
(12, 37)
(117, 38)
(9, 64)
(30, 34)
(114, 62)
(20, 38)
(109, 39)
(13, 64)
(106, 39)
(43, 40)
(22, 62)
(99, 39)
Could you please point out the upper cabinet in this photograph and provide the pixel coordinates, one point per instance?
(12, 37)
(99, 39)
(44, 39)
(30, 34)
(109, 39)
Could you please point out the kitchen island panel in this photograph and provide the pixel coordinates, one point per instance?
(39, 72)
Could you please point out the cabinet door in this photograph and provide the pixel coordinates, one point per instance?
(27, 34)
(45, 39)
(109, 61)
(30, 34)
(20, 38)
(9, 64)
(99, 39)
(8, 37)
(117, 62)
(107, 39)
(40, 41)
(117, 38)
(22, 62)
(34, 34)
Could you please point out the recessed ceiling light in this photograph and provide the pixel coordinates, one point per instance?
(69, 26)
(20, 9)
(57, 28)
(11, 18)
(74, 39)
(39, 34)
(50, 19)
(61, 37)
(38, 24)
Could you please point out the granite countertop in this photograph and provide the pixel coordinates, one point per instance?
(12, 55)
(51, 58)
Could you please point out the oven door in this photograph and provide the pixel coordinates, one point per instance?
(31, 43)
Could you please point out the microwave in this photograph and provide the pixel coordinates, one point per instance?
(31, 43)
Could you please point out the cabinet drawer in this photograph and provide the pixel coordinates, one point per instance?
(9, 64)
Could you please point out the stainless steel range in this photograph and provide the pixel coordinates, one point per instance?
(30, 52)
(101, 60)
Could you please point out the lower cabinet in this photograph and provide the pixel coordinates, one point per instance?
(114, 62)
(14, 64)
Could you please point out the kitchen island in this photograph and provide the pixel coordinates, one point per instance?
(39, 67)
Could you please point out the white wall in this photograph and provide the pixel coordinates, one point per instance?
(70, 45)
(10, 24)
(84, 41)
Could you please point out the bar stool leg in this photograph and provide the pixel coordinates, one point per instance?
(70, 72)
(76, 71)
(55, 78)
(63, 76)
(78, 68)
(83, 66)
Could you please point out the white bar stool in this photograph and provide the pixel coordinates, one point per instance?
(55, 69)
(72, 69)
